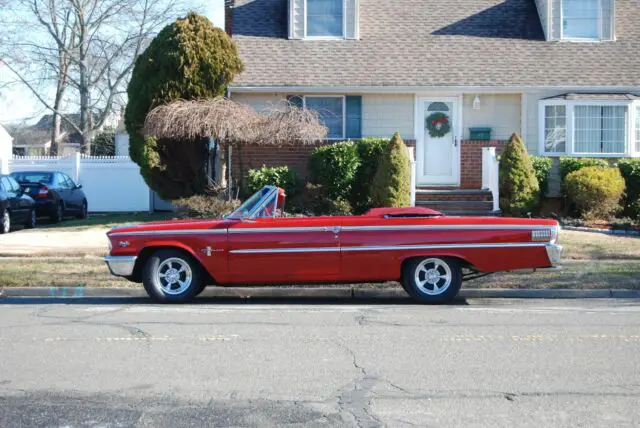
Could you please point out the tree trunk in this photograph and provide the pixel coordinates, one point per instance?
(55, 130)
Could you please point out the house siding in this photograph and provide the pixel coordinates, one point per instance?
(296, 19)
(383, 115)
(556, 20)
(543, 11)
(351, 19)
(500, 112)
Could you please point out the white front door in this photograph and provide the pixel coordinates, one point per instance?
(437, 141)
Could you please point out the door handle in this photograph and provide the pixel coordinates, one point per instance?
(334, 229)
(455, 141)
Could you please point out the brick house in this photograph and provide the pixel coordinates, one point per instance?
(564, 74)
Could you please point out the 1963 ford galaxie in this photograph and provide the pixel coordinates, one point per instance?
(429, 253)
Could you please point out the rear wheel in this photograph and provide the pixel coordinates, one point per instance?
(58, 213)
(31, 220)
(432, 279)
(5, 222)
(172, 276)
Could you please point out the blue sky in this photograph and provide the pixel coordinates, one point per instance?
(17, 103)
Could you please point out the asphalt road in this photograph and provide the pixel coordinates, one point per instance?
(492, 363)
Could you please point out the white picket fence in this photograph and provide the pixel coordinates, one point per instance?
(111, 184)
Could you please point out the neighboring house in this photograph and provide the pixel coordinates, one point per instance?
(565, 74)
(35, 140)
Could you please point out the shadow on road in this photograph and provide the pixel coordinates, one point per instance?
(280, 300)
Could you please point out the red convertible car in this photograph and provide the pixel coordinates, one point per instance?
(428, 252)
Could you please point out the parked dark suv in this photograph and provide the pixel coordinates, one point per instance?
(15, 206)
(55, 194)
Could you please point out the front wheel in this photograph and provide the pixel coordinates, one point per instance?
(432, 279)
(5, 222)
(84, 211)
(172, 276)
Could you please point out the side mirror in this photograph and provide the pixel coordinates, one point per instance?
(78, 186)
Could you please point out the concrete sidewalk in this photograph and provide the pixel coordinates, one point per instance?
(354, 293)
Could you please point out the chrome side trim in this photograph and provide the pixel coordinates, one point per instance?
(121, 265)
(445, 227)
(281, 229)
(287, 250)
(384, 248)
(171, 232)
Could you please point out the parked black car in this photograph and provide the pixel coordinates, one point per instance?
(55, 194)
(15, 206)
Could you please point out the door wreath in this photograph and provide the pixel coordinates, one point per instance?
(438, 125)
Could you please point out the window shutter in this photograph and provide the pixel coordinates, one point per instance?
(296, 100)
(354, 117)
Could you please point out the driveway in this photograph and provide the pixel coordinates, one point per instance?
(501, 363)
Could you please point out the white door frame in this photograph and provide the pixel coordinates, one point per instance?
(419, 132)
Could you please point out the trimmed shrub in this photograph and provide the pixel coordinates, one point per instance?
(519, 188)
(542, 167)
(281, 176)
(315, 200)
(595, 191)
(188, 59)
(630, 170)
(392, 182)
(370, 151)
(205, 206)
(568, 165)
(334, 167)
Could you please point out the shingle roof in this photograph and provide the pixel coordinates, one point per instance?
(494, 43)
(595, 97)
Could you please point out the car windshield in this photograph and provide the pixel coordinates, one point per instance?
(33, 177)
(260, 204)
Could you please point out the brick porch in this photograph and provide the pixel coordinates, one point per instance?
(468, 198)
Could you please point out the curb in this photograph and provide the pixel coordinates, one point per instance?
(616, 232)
(319, 292)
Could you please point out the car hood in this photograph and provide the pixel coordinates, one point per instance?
(171, 225)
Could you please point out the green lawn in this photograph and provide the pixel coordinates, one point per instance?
(598, 246)
(92, 272)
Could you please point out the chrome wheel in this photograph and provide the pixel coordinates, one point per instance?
(6, 222)
(433, 276)
(174, 276)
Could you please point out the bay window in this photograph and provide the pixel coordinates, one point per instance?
(590, 128)
(638, 129)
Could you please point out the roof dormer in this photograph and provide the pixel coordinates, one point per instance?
(577, 20)
(323, 19)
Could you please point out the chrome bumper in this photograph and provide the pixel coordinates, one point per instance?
(554, 252)
(121, 265)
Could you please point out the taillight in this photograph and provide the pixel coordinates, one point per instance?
(43, 192)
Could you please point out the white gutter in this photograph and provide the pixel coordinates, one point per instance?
(425, 89)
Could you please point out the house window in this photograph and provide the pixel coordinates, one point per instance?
(555, 129)
(581, 19)
(325, 18)
(600, 129)
(584, 127)
(331, 113)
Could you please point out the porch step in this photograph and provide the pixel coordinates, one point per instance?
(476, 213)
(476, 202)
(453, 195)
